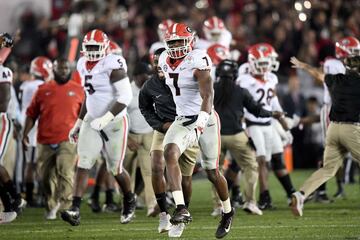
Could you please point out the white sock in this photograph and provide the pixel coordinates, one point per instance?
(226, 205)
(178, 197)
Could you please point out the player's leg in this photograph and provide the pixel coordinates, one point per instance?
(333, 156)
(94, 200)
(210, 145)
(174, 147)
(109, 183)
(115, 148)
(89, 146)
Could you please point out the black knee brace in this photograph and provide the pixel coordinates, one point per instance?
(277, 162)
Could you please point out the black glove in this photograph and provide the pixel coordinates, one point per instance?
(6, 40)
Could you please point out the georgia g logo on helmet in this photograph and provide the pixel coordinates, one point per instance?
(178, 40)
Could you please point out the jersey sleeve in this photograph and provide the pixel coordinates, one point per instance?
(334, 66)
(116, 62)
(6, 75)
(202, 61)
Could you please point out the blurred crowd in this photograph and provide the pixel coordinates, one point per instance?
(306, 29)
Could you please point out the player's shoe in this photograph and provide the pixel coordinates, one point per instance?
(237, 201)
(340, 194)
(217, 211)
(297, 203)
(94, 205)
(19, 205)
(180, 215)
(164, 222)
(225, 224)
(51, 215)
(71, 216)
(176, 230)
(128, 211)
(110, 208)
(265, 201)
(6, 217)
(322, 198)
(252, 208)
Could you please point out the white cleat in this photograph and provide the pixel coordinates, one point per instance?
(176, 230)
(252, 208)
(297, 203)
(6, 217)
(51, 215)
(164, 222)
(217, 212)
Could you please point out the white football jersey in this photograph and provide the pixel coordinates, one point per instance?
(155, 46)
(180, 79)
(332, 66)
(100, 92)
(263, 92)
(6, 75)
(27, 91)
(224, 40)
(244, 68)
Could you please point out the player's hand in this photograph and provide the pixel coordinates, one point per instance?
(166, 126)
(277, 114)
(132, 144)
(297, 63)
(25, 142)
(74, 132)
(99, 123)
(289, 138)
(6, 40)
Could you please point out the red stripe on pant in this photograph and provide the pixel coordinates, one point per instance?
(219, 138)
(123, 149)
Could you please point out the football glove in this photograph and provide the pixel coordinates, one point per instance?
(6, 40)
(99, 123)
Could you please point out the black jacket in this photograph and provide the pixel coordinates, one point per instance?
(232, 114)
(156, 103)
(345, 96)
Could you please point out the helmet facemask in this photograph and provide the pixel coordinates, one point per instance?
(261, 65)
(179, 48)
(94, 51)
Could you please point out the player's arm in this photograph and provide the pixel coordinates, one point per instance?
(275, 104)
(121, 83)
(32, 114)
(5, 95)
(206, 89)
(316, 73)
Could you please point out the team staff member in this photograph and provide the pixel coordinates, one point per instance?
(230, 100)
(157, 105)
(343, 134)
(56, 105)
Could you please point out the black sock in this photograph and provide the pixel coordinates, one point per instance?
(11, 189)
(76, 202)
(287, 185)
(109, 196)
(187, 204)
(29, 191)
(339, 185)
(181, 206)
(128, 196)
(96, 193)
(5, 198)
(235, 191)
(230, 184)
(322, 188)
(161, 201)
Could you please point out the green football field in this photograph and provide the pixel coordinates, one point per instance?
(337, 220)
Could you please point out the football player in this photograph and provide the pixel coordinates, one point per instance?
(41, 70)
(187, 73)
(261, 84)
(102, 125)
(161, 30)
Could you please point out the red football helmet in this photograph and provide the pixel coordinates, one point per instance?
(95, 44)
(179, 39)
(217, 53)
(213, 28)
(42, 67)
(347, 46)
(275, 63)
(163, 27)
(260, 59)
(114, 48)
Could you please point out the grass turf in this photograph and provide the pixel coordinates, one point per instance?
(337, 220)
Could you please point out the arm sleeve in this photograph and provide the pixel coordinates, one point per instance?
(329, 80)
(254, 107)
(124, 91)
(33, 110)
(146, 105)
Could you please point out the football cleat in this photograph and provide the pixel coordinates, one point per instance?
(71, 216)
(128, 211)
(252, 208)
(237, 201)
(225, 224)
(297, 203)
(51, 215)
(176, 230)
(94, 205)
(164, 222)
(110, 208)
(6, 217)
(19, 205)
(322, 198)
(180, 215)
